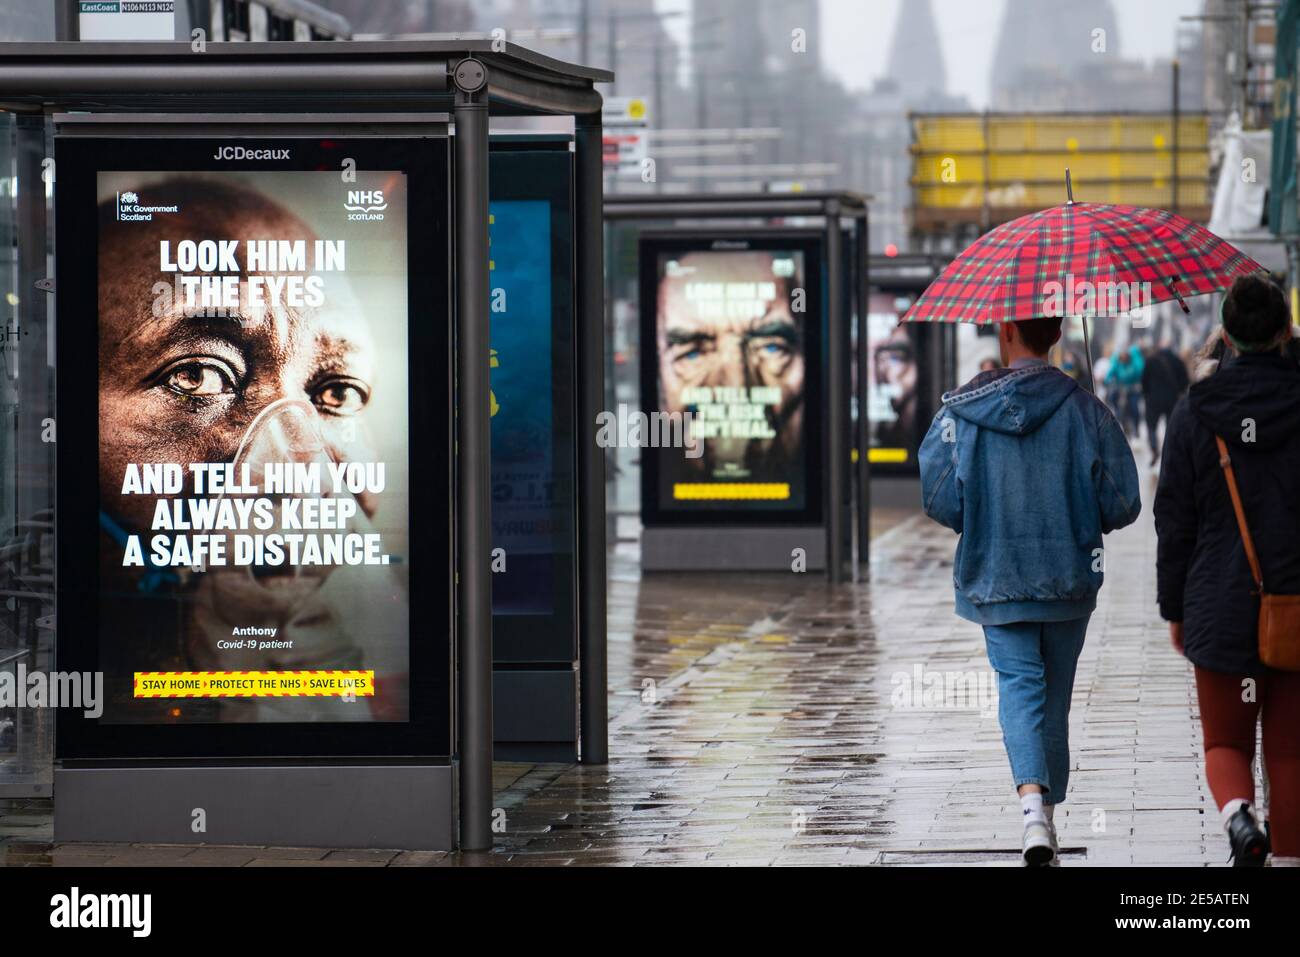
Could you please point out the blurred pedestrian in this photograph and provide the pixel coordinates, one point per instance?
(1164, 380)
(1073, 366)
(1243, 416)
(1031, 470)
(1125, 381)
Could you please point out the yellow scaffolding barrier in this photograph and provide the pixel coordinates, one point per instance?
(987, 168)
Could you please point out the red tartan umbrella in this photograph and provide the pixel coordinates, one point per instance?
(1046, 263)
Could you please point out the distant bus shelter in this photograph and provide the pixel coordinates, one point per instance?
(910, 365)
(273, 498)
(783, 480)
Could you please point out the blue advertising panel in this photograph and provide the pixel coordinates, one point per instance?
(523, 461)
(532, 405)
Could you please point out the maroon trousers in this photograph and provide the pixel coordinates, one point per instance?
(1229, 712)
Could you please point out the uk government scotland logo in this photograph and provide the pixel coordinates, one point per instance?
(130, 210)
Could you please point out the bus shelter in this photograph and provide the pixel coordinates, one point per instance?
(819, 241)
(270, 488)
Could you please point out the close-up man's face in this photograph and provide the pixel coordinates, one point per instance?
(183, 387)
(741, 346)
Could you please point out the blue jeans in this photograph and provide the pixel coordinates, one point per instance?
(1035, 662)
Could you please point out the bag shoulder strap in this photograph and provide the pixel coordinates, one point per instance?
(1225, 463)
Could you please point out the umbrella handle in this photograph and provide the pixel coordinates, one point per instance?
(1069, 188)
(1174, 289)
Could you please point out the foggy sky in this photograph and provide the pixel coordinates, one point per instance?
(856, 35)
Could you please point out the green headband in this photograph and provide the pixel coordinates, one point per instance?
(1246, 346)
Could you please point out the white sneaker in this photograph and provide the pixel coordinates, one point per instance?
(1040, 844)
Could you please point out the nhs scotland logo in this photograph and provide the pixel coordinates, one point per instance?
(365, 204)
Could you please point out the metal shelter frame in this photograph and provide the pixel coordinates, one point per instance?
(832, 208)
(418, 81)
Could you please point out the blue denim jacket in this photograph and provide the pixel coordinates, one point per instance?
(1031, 470)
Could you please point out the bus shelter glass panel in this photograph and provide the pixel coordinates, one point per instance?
(27, 436)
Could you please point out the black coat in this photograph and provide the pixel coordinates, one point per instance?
(1203, 578)
(1164, 380)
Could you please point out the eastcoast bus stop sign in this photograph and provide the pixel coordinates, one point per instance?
(127, 19)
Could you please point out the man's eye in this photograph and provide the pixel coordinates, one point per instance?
(690, 352)
(771, 347)
(341, 397)
(194, 378)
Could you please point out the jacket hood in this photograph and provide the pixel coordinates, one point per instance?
(1262, 388)
(1014, 401)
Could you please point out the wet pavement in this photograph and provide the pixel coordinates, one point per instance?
(774, 720)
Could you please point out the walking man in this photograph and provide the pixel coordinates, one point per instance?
(1164, 380)
(1031, 470)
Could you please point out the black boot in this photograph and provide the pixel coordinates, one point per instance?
(1249, 843)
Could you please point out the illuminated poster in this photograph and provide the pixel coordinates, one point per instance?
(252, 445)
(731, 350)
(892, 385)
(524, 491)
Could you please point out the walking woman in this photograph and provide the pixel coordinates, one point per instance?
(1206, 587)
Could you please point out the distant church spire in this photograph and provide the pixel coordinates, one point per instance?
(915, 56)
(1049, 38)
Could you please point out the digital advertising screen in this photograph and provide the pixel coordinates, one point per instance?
(731, 379)
(523, 483)
(892, 383)
(909, 368)
(532, 404)
(249, 384)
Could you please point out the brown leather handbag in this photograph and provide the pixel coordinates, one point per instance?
(1279, 615)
